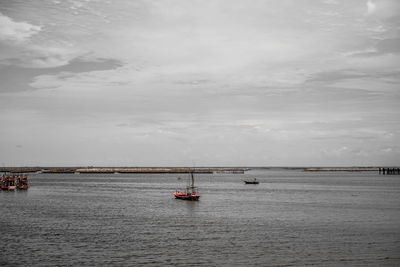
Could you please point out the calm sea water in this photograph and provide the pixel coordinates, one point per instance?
(292, 218)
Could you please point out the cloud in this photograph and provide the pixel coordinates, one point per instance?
(47, 56)
(15, 78)
(330, 2)
(18, 48)
(16, 31)
(44, 55)
(231, 83)
(371, 7)
(386, 11)
(336, 75)
(389, 45)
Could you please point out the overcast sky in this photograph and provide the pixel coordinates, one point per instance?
(194, 82)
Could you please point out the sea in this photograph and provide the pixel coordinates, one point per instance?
(291, 218)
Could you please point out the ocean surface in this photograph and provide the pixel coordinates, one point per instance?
(292, 218)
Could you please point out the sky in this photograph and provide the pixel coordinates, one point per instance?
(200, 83)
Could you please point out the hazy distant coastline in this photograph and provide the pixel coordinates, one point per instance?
(351, 169)
(174, 169)
(123, 169)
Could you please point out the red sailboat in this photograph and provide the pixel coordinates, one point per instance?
(189, 193)
(22, 182)
(8, 183)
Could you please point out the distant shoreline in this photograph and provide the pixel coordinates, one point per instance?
(233, 170)
(357, 169)
(53, 170)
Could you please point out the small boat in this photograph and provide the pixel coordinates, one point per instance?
(251, 182)
(189, 193)
(8, 183)
(22, 182)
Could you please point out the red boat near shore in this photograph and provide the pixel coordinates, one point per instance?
(189, 193)
(12, 181)
(8, 183)
(22, 182)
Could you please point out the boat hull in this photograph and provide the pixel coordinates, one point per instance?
(23, 187)
(185, 196)
(9, 188)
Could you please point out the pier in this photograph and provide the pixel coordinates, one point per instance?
(389, 171)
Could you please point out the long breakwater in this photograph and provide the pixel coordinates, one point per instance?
(55, 170)
(233, 170)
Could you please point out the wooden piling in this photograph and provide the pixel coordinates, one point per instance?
(389, 171)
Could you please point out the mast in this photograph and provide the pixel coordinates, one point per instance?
(191, 173)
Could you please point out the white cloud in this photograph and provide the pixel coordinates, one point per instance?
(371, 7)
(16, 31)
(48, 56)
(19, 48)
(331, 2)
